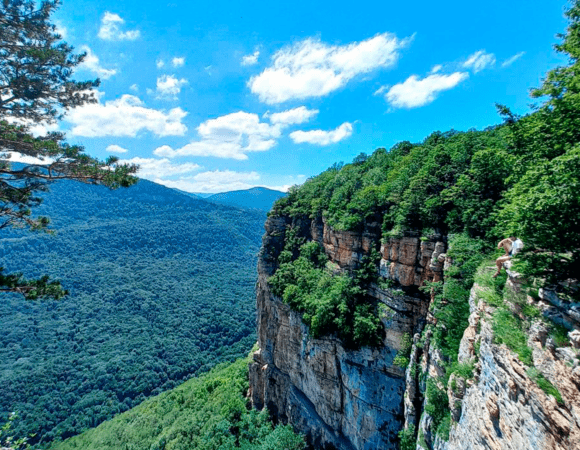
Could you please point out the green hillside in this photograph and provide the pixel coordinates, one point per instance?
(161, 288)
(206, 413)
(255, 198)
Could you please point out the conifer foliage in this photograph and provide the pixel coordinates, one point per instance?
(36, 88)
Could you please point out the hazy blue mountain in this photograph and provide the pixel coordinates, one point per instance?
(255, 198)
(161, 288)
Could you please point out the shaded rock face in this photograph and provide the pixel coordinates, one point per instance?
(340, 398)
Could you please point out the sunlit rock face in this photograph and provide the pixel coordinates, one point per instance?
(503, 408)
(340, 398)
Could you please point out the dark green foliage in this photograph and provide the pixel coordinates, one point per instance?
(36, 88)
(508, 330)
(409, 186)
(407, 437)
(36, 65)
(544, 384)
(402, 358)
(205, 413)
(559, 334)
(331, 304)
(437, 407)
(464, 370)
(547, 193)
(543, 207)
(161, 288)
(7, 440)
(451, 303)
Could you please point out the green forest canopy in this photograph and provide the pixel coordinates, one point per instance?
(161, 288)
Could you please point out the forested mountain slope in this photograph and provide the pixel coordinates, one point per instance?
(205, 413)
(255, 198)
(161, 288)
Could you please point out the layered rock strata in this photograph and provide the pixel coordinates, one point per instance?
(503, 407)
(340, 398)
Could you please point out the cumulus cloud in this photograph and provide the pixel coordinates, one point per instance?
(168, 86)
(153, 168)
(292, 116)
(230, 136)
(479, 61)
(114, 148)
(415, 91)
(25, 159)
(213, 181)
(125, 116)
(92, 64)
(134, 87)
(311, 68)
(513, 59)
(160, 63)
(322, 137)
(111, 29)
(178, 61)
(250, 60)
(34, 128)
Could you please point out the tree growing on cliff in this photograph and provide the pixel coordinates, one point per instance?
(36, 88)
(543, 206)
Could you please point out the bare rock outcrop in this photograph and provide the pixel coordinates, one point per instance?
(505, 408)
(340, 398)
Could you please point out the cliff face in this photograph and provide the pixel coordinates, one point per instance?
(503, 407)
(338, 397)
(359, 399)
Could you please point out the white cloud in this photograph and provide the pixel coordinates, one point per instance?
(25, 159)
(321, 137)
(125, 116)
(111, 29)
(436, 68)
(213, 181)
(510, 61)
(34, 128)
(415, 92)
(134, 87)
(114, 148)
(311, 68)
(479, 61)
(230, 136)
(292, 116)
(178, 62)
(91, 63)
(250, 60)
(381, 90)
(168, 86)
(60, 29)
(160, 63)
(153, 168)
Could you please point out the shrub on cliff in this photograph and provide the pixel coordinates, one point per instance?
(331, 304)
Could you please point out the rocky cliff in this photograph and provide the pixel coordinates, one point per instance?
(360, 399)
(348, 399)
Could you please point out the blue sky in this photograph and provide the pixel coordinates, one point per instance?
(216, 96)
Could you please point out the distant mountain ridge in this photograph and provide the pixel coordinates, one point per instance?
(255, 198)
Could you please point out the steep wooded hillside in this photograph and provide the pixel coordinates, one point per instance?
(161, 288)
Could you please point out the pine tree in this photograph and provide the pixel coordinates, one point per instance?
(36, 87)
